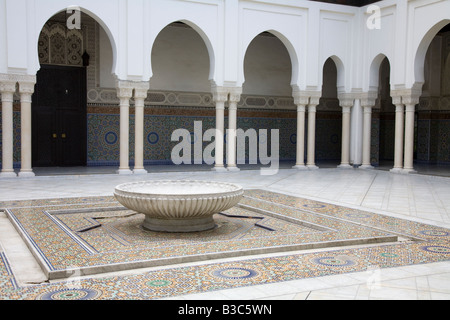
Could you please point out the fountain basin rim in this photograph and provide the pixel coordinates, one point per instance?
(133, 188)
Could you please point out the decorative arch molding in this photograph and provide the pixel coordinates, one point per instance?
(288, 46)
(422, 48)
(374, 71)
(209, 46)
(203, 35)
(340, 83)
(45, 18)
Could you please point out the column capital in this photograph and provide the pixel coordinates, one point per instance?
(220, 94)
(313, 101)
(346, 99)
(305, 97)
(7, 86)
(407, 95)
(141, 89)
(367, 109)
(301, 107)
(368, 99)
(397, 100)
(410, 107)
(300, 98)
(235, 94)
(124, 89)
(26, 90)
(312, 108)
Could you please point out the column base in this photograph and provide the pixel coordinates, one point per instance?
(140, 171)
(233, 168)
(124, 171)
(366, 167)
(8, 174)
(345, 166)
(408, 171)
(312, 167)
(219, 169)
(396, 170)
(26, 174)
(300, 167)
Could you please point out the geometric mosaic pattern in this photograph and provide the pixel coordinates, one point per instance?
(319, 223)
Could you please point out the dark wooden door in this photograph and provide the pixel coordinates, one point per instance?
(59, 117)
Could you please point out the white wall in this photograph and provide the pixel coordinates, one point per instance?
(310, 31)
(106, 60)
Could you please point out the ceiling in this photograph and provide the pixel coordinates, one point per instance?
(355, 3)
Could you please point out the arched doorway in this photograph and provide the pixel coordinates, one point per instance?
(71, 60)
(432, 119)
(329, 118)
(387, 117)
(181, 66)
(266, 100)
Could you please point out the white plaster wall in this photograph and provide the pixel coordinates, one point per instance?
(106, 61)
(3, 38)
(287, 23)
(377, 44)
(426, 18)
(205, 17)
(310, 31)
(336, 42)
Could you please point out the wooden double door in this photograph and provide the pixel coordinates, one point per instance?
(59, 117)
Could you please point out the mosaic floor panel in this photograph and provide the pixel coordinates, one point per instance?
(91, 235)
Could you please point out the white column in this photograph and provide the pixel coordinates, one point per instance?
(220, 96)
(311, 148)
(356, 133)
(409, 139)
(300, 154)
(26, 90)
(367, 134)
(7, 89)
(235, 96)
(399, 127)
(124, 93)
(345, 147)
(140, 94)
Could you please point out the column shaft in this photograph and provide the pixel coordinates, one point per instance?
(140, 94)
(7, 130)
(220, 119)
(399, 129)
(311, 149)
(409, 138)
(25, 123)
(367, 129)
(139, 137)
(345, 147)
(124, 167)
(300, 153)
(231, 137)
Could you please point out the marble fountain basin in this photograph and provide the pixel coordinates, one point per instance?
(178, 205)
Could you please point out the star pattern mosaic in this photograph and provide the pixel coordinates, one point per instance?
(319, 222)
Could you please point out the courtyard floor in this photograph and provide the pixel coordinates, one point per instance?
(317, 234)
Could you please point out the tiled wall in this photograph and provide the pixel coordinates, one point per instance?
(433, 134)
(103, 132)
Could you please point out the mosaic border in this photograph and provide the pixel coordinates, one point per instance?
(209, 277)
(57, 247)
